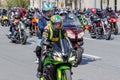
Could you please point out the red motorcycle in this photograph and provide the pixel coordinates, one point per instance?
(113, 24)
(75, 33)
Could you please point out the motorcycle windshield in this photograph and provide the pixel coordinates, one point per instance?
(62, 46)
(71, 20)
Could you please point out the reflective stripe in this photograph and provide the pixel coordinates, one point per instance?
(60, 34)
(51, 33)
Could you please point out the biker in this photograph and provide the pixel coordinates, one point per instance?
(63, 13)
(109, 11)
(100, 13)
(53, 33)
(23, 11)
(16, 20)
(4, 12)
(47, 10)
(93, 15)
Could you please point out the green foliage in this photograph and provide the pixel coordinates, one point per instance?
(9, 4)
(17, 3)
(104, 1)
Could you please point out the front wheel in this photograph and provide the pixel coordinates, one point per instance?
(44, 77)
(115, 28)
(6, 23)
(24, 38)
(108, 34)
(66, 75)
(78, 55)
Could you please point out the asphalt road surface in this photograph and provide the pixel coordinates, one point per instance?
(101, 59)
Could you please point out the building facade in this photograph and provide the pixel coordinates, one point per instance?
(72, 4)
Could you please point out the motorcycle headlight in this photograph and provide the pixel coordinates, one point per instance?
(57, 57)
(70, 35)
(22, 27)
(37, 20)
(5, 17)
(106, 22)
(80, 35)
(72, 58)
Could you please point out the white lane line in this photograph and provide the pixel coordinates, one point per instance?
(91, 56)
(89, 38)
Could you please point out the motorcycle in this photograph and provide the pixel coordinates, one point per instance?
(58, 62)
(82, 19)
(75, 33)
(100, 28)
(32, 22)
(19, 34)
(5, 21)
(34, 27)
(113, 24)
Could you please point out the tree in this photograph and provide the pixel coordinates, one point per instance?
(17, 3)
(9, 4)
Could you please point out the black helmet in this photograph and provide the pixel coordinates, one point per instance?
(17, 15)
(62, 12)
(109, 8)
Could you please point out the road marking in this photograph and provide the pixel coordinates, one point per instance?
(89, 38)
(91, 56)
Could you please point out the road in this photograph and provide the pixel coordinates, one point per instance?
(101, 59)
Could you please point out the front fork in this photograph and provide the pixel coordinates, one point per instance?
(60, 72)
(103, 26)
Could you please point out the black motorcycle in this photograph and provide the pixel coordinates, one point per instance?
(100, 28)
(19, 34)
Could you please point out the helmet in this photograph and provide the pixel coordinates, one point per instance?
(47, 7)
(47, 10)
(56, 22)
(108, 8)
(93, 10)
(17, 15)
(31, 10)
(62, 12)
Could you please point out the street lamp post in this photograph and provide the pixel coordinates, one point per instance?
(115, 5)
(108, 2)
(95, 3)
(101, 4)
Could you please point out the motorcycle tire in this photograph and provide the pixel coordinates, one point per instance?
(92, 36)
(116, 29)
(24, 38)
(66, 75)
(108, 34)
(37, 33)
(5, 23)
(78, 59)
(2, 23)
(13, 41)
(44, 77)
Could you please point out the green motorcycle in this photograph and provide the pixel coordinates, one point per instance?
(58, 62)
(82, 19)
